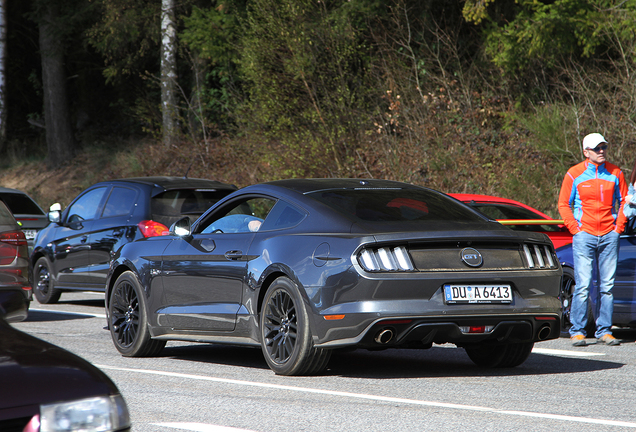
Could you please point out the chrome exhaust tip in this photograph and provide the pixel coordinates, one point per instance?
(544, 332)
(384, 336)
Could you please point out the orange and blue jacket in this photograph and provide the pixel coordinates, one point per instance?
(592, 198)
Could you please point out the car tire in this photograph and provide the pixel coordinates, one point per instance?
(285, 334)
(43, 285)
(565, 296)
(129, 321)
(500, 355)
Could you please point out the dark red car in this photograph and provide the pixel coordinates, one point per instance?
(14, 266)
(518, 216)
(46, 388)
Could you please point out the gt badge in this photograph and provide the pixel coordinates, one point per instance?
(471, 257)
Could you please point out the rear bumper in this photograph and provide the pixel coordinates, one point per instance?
(461, 331)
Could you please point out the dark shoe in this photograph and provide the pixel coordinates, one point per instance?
(578, 340)
(608, 339)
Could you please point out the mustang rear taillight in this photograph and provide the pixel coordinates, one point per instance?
(539, 256)
(385, 259)
(151, 228)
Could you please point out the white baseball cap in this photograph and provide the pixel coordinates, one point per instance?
(592, 140)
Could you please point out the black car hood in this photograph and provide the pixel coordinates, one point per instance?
(34, 372)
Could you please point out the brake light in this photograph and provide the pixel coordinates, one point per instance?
(10, 243)
(151, 228)
(385, 259)
(396, 322)
(15, 238)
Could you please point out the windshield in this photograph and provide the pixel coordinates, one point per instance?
(395, 205)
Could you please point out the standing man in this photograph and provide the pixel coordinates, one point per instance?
(591, 204)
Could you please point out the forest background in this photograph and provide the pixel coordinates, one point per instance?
(473, 96)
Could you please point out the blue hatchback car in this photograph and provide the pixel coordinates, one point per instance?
(74, 251)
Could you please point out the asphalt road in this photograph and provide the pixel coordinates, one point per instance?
(200, 387)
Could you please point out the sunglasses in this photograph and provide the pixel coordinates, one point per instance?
(599, 148)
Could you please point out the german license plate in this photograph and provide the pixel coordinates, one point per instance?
(29, 234)
(454, 294)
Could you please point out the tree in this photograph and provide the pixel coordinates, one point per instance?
(168, 71)
(304, 69)
(550, 31)
(3, 54)
(60, 140)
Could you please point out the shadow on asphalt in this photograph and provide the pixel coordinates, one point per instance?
(395, 363)
(451, 362)
(220, 354)
(98, 303)
(40, 315)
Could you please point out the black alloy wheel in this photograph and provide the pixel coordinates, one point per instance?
(565, 295)
(43, 285)
(285, 334)
(128, 320)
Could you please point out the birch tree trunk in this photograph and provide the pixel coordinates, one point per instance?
(60, 140)
(168, 71)
(3, 55)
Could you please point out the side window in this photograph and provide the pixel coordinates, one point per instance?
(283, 215)
(119, 202)
(85, 208)
(491, 211)
(244, 216)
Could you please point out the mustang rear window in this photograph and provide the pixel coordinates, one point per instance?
(394, 205)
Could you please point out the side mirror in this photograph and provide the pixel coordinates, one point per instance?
(55, 213)
(182, 228)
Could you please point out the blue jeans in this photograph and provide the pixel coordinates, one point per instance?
(587, 249)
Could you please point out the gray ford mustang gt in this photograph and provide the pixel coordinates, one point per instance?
(302, 267)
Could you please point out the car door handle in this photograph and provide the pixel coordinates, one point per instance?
(84, 239)
(234, 254)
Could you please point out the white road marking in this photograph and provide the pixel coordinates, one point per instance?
(68, 313)
(579, 352)
(404, 401)
(566, 353)
(201, 427)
